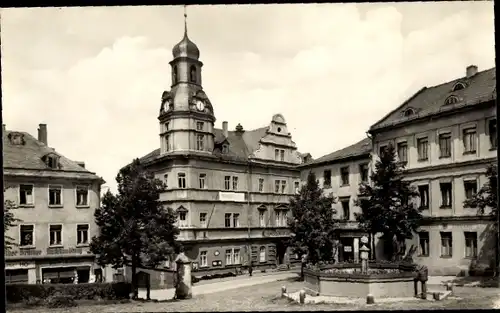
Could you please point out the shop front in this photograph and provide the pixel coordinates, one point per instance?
(350, 243)
(20, 272)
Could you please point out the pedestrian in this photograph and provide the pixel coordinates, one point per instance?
(302, 266)
(250, 268)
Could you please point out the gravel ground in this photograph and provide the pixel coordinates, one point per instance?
(266, 297)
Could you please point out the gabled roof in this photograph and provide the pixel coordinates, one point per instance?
(30, 156)
(359, 149)
(431, 100)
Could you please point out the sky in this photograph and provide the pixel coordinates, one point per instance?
(95, 75)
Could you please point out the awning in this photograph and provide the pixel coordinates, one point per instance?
(58, 273)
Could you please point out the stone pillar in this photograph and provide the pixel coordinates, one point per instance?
(364, 259)
(32, 276)
(355, 249)
(183, 289)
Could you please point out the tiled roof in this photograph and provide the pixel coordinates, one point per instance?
(26, 159)
(430, 100)
(241, 144)
(363, 147)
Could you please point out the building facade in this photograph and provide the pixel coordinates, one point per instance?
(230, 188)
(339, 174)
(55, 200)
(446, 135)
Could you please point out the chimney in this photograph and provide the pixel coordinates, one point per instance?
(471, 71)
(224, 129)
(82, 164)
(42, 133)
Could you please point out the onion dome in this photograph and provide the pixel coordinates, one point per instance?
(186, 48)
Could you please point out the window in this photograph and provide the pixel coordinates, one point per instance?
(203, 258)
(26, 237)
(262, 254)
(470, 188)
(492, 128)
(469, 139)
(55, 195)
(470, 244)
(276, 154)
(277, 218)
(381, 150)
(26, 195)
(458, 86)
(192, 74)
(236, 256)
(261, 184)
(82, 196)
(283, 186)
(445, 195)
(280, 218)
(363, 172)
(235, 183)
(82, 234)
(296, 187)
(203, 219)
(55, 235)
(182, 219)
(445, 145)
(174, 74)
(276, 186)
(403, 152)
(199, 142)
(262, 220)
(165, 180)
(52, 162)
(227, 182)
(344, 173)
(167, 142)
(229, 257)
(451, 100)
(423, 190)
(423, 242)
(408, 112)
(423, 148)
(227, 220)
(181, 179)
(446, 244)
(236, 220)
(199, 126)
(225, 149)
(345, 209)
(327, 179)
(201, 179)
(167, 126)
(282, 155)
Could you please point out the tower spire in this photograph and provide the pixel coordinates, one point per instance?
(185, 21)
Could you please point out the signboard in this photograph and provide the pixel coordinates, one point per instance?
(232, 196)
(347, 249)
(64, 251)
(276, 233)
(23, 252)
(364, 239)
(20, 265)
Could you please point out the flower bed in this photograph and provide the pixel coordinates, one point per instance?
(345, 279)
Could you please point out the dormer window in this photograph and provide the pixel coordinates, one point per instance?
(16, 139)
(52, 161)
(408, 112)
(458, 86)
(451, 100)
(225, 148)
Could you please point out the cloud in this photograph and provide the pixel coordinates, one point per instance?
(95, 75)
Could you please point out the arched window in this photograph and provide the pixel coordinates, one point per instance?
(409, 112)
(174, 74)
(458, 86)
(451, 100)
(262, 254)
(192, 74)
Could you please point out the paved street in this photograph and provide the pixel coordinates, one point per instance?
(217, 286)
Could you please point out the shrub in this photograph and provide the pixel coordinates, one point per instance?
(34, 301)
(60, 300)
(16, 293)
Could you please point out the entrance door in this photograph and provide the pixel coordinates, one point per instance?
(280, 252)
(83, 275)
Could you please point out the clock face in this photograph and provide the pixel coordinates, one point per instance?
(200, 105)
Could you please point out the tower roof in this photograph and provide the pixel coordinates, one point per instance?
(186, 48)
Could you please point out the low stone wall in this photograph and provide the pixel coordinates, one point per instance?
(359, 285)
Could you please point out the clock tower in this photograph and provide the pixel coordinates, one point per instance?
(186, 114)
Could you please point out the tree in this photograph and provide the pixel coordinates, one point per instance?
(487, 197)
(135, 229)
(312, 223)
(9, 220)
(387, 205)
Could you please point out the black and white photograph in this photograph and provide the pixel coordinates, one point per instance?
(250, 157)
